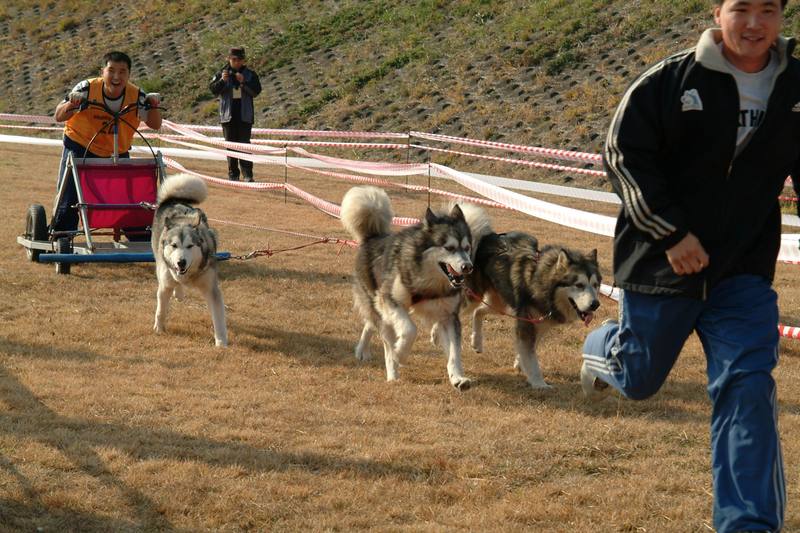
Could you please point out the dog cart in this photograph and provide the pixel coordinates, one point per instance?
(115, 196)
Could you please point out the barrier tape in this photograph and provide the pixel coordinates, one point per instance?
(330, 144)
(310, 133)
(416, 188)
(549, 166)
(566, 216)
(547, 152)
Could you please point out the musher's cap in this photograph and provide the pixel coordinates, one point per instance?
(237, 51)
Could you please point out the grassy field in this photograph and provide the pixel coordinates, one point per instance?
(105, 426)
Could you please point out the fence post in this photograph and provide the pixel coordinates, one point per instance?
(408, 152)
(285, 170)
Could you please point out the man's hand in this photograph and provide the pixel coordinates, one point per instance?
(76, 99)
(153, 99)
(240, 77)
(688, 256)
(225, 75)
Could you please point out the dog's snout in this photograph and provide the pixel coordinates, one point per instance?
(595, 305)
(182, 263)
(466, 268)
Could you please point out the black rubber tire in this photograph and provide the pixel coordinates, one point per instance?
(63, 246)
(35, 228)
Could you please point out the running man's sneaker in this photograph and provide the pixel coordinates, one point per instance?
(593, 388)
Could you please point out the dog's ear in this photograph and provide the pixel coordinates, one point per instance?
(195, 220)
(592, 256)
(430, 219)
(169, 220)
(457, 213)
(563, 260)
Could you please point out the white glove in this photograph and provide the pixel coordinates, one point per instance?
(154, 99)
(76, 98)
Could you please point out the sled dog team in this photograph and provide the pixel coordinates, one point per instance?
(450, 262)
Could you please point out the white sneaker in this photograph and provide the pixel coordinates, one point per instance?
(593, 388)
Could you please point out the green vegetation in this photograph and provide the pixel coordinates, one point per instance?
(466, 67)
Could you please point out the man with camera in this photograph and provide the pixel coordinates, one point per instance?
(236, 86)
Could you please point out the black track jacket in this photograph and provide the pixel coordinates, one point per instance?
(672, 158)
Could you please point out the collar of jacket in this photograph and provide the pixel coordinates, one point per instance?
(709, 55)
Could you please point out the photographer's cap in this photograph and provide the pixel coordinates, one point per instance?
(237, 51)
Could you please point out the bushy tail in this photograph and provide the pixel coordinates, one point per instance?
(183, 187)
(478, 222)
(366, 212)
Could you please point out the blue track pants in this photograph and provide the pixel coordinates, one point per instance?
(737, 325)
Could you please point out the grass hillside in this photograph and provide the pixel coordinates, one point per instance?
(547, 72)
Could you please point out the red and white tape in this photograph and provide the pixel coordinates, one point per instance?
(547, 152)
(537, 164)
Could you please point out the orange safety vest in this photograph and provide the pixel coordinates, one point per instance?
(82, 126)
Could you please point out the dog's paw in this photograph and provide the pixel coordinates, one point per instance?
(476, 341)
(178, 293)
(540, 385)
(221, 343)
(363, 354)
(158, 327)
(461, 383)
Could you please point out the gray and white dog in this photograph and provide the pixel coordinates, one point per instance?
(542, 288)
(418, 271)
(185, 250)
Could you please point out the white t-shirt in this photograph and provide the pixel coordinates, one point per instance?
(754, 89)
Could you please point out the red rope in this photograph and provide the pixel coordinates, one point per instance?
(477, 298)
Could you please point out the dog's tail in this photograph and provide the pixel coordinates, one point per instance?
(183, 188)
(478, 222)
(366, 212)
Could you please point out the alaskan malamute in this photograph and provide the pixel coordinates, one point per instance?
(419, 270)
(185, 250)
(543, 288)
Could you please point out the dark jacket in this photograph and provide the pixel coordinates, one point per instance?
(671, 156)
(224, 90)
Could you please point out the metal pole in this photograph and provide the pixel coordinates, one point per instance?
(429, 179)
(408, 152)
(285, 171)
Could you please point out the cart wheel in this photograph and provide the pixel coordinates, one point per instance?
(35, 229)
(63, 246)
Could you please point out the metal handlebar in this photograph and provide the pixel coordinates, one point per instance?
(116, 116)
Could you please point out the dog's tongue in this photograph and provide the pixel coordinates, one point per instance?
(587, 318)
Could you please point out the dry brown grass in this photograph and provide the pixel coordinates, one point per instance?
(105, 426)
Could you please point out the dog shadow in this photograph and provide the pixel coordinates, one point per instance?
(309, 348)
(675, 402)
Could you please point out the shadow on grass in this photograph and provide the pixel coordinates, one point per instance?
(45, 351)
(234, 270)
(309, 347)
(35, 516)
(27, 418)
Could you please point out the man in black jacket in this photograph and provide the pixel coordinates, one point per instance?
(236, 86)
(699, 150)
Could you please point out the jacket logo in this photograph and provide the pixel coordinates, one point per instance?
(796, 108)
(691, 100)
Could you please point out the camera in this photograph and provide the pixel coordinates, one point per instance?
(232, 76)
